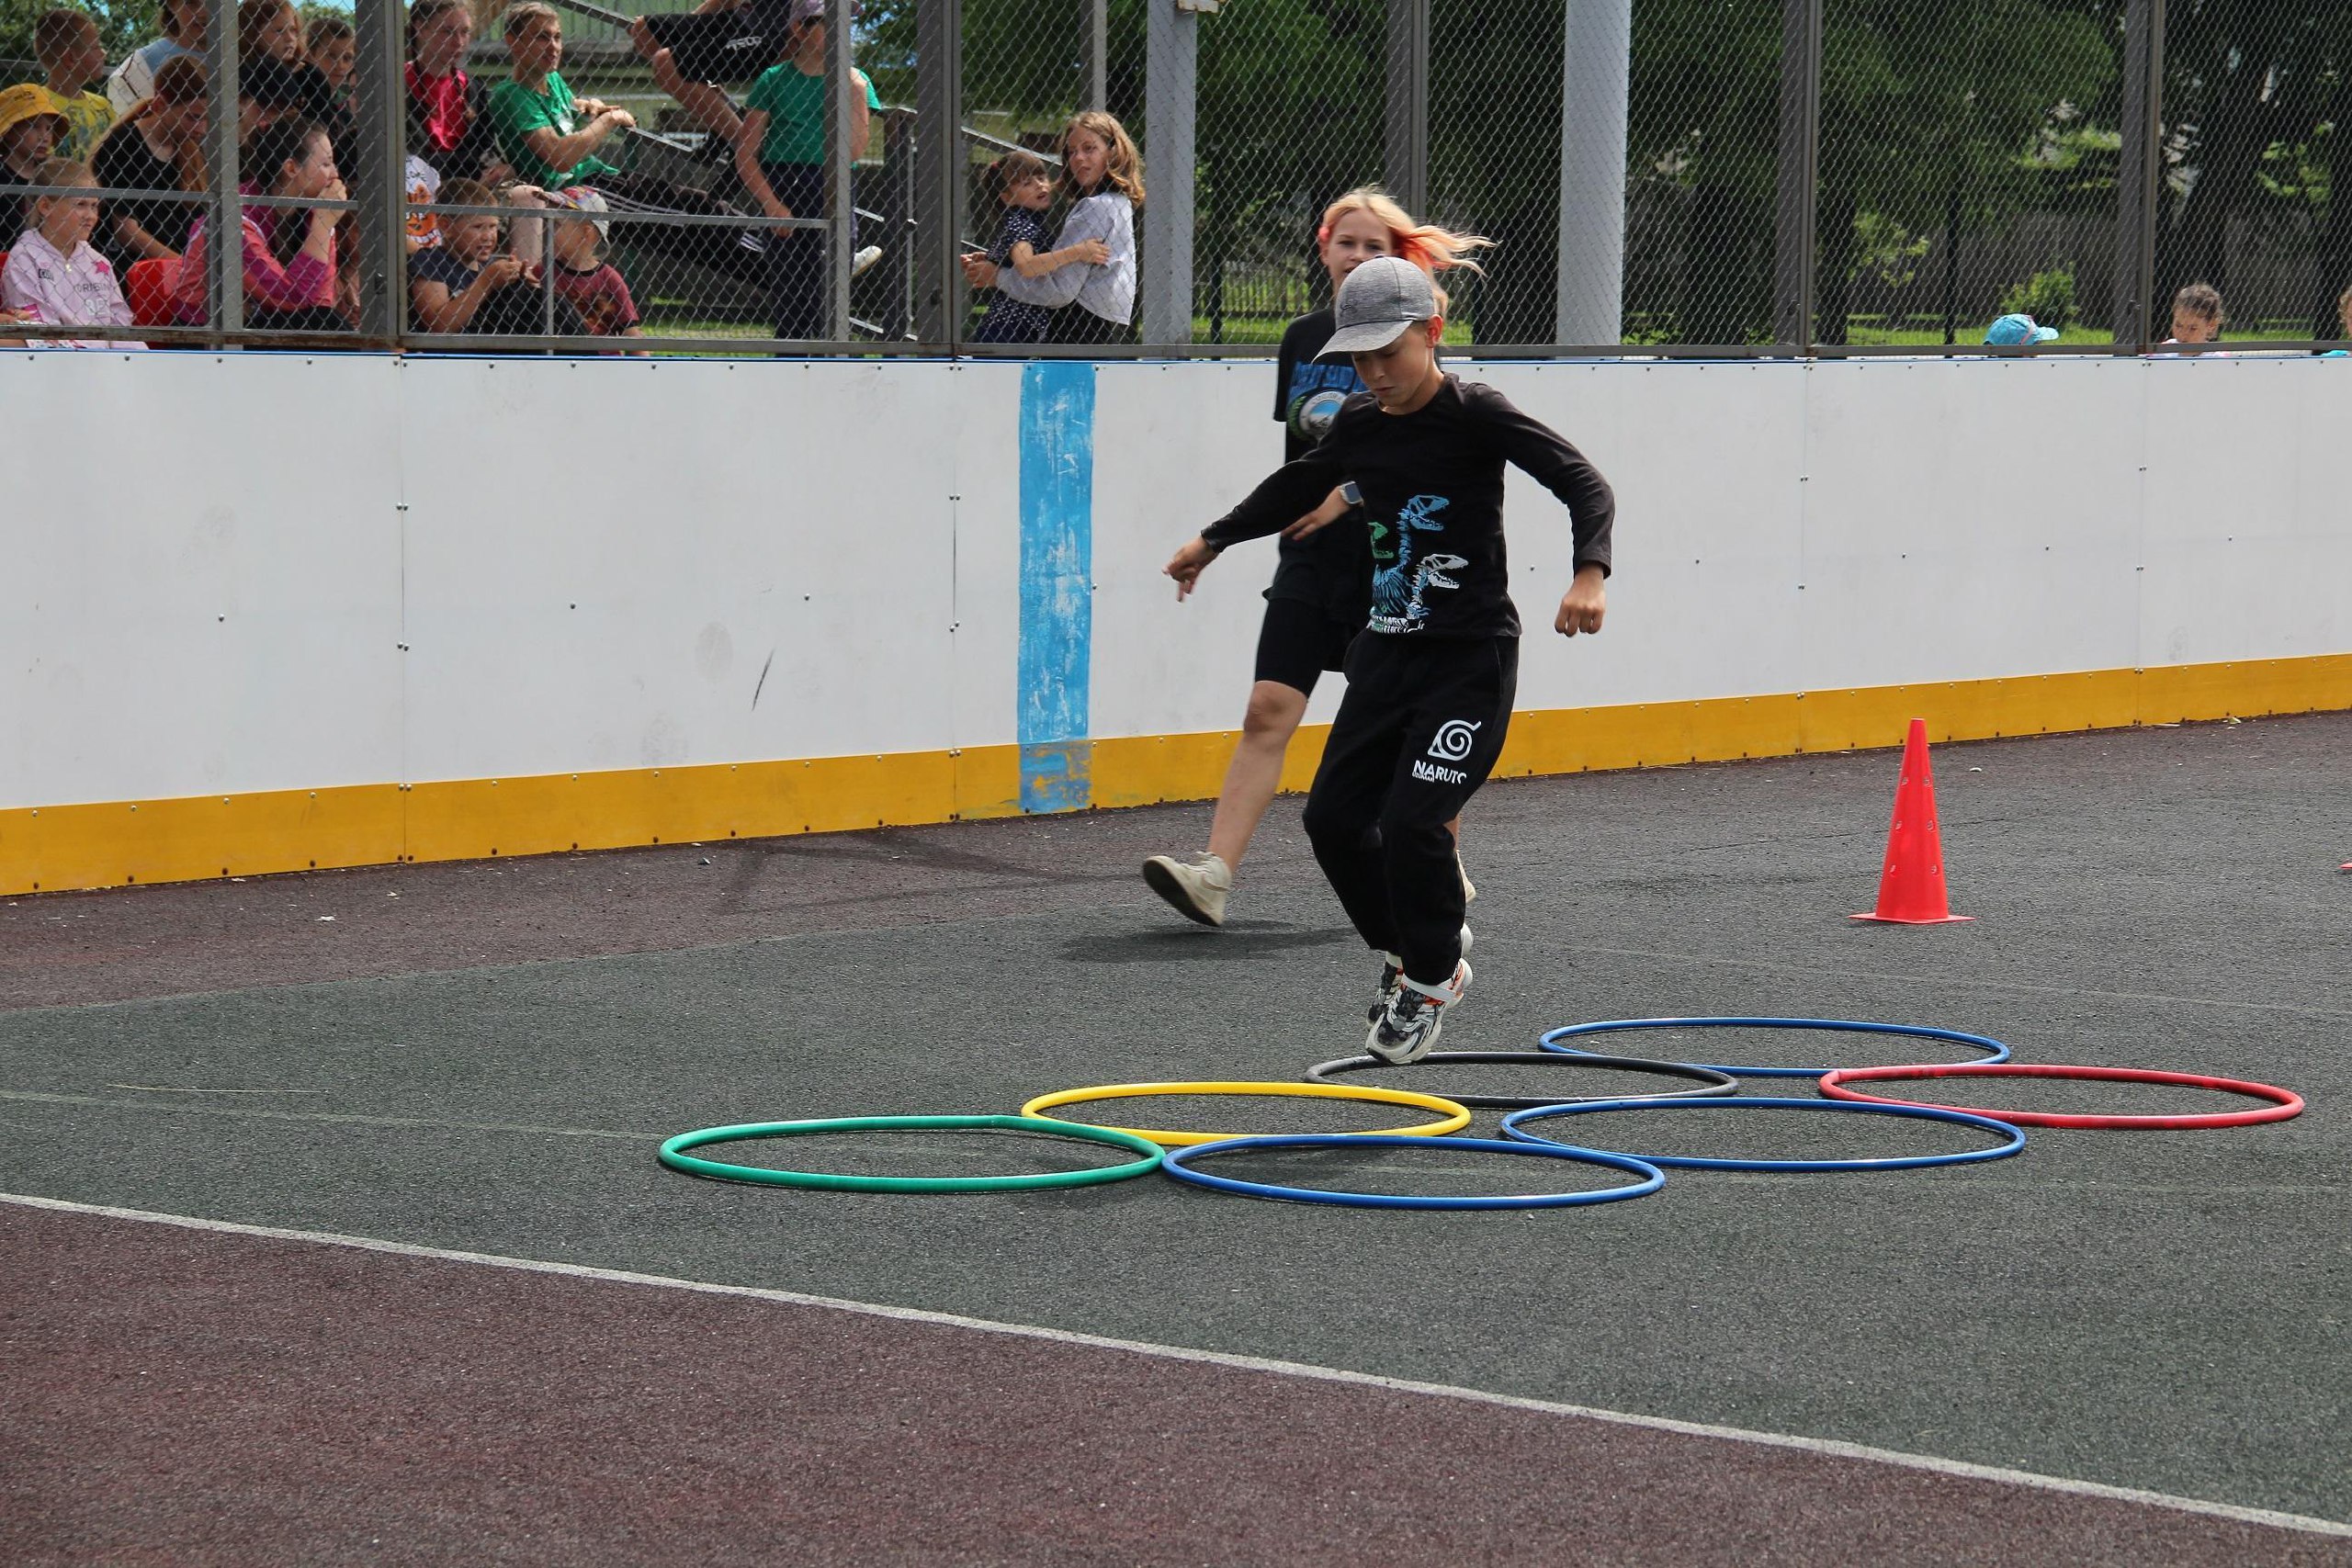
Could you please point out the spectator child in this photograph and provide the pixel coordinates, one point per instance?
(2344, 315)
(53, 272)
(2197, 314)
(30, 127)
(288, 270)
(72, 56)
(269, 49)
(549, 135)
(187, 30)
(1023, 187)
(466, 284)
(333, 49)
(780, 156)
(448, 127)
(158, 146)
(1103, 173)
(592, 286)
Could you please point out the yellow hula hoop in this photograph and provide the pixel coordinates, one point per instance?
(1456, 1117)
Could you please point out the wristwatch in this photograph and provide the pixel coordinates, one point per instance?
(1350, 494)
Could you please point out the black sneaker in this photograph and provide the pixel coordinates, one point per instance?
(1392, 975)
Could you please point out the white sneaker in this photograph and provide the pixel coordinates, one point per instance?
(1408, 1030)
(866, 256)
(1195, 888)
(1392, 975)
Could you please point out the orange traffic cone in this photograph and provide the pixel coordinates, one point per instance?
(1911, 888)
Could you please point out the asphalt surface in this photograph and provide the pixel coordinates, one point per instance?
(484, 1056)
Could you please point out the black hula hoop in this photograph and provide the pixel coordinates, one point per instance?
(1706, 1082)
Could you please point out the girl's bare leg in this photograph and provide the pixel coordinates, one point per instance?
(1256, 771)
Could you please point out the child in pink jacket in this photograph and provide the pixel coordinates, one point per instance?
(54, 277)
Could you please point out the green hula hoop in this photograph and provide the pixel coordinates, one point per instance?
(675, 1156)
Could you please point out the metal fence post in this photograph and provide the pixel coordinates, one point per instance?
(1171, 44)
(1596, 75)
(2136, 172)
(1098, 54)
(939, 171)
(841, 108)
(1406, 168)
(382, 30)
(1794, 241)
(225, 214)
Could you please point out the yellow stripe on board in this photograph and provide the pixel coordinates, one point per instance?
(49, 848)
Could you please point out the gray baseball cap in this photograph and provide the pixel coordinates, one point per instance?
(1377, 302)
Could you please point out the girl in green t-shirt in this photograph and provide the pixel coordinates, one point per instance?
(780, 154)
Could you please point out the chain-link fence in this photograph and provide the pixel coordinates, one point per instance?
(1659, 177)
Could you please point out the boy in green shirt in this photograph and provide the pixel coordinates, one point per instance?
(550, 136)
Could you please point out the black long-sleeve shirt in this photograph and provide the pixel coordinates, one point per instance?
(1432, 484)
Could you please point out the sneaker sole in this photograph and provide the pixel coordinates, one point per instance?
(1162, 881)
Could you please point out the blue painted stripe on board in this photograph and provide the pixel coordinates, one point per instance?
(1057, 582)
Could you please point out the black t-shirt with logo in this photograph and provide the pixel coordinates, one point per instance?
(1332, 568)
(1432, 483)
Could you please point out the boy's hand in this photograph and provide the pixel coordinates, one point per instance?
(500, 270)
(1584, 604)
(1323, 516)
(1187, 563)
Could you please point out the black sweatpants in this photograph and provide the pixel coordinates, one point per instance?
(1421, 726)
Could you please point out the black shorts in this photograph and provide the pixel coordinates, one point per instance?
(1300, 640)
(723, 46)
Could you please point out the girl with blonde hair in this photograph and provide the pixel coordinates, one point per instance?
(1092, 301)
(1322, 588)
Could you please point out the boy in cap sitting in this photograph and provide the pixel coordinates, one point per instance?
(592, 286)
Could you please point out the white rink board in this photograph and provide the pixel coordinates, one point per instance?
(213, 561)
(612, 599)
(201, 589)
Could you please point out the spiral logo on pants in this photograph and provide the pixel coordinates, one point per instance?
(1454, 741)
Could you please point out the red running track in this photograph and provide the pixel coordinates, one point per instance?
(199, 1397)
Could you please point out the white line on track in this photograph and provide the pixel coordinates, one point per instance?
(1823, 1445)
(182, 1088)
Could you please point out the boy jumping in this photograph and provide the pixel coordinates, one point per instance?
(1431, 679)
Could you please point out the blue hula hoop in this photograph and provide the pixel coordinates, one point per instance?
(2013, 1138)
(1177, 1163)
(1551, 1042)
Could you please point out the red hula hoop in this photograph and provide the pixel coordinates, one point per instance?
(2285, 1103)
